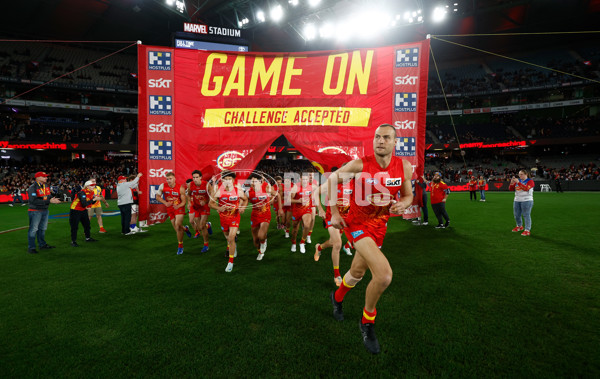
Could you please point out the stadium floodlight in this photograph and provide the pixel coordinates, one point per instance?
(314, 3)
(170, 2)
(326, 31)
(439, 14)
(344, 31)
(293, 2)
(373, 22)
(309, 32)
(276, 13)
(260, 16)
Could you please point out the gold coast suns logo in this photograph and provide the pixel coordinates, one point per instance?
(380, 199)
(332, 149)
(343, 202)
(229, 159)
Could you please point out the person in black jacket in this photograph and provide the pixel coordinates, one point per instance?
(79, 214)
(39, 200)
(16, 194)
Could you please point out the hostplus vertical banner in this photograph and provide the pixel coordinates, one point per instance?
(223, 109)
(411, 65)
(156, 140)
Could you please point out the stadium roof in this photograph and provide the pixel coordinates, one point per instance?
(153, 22)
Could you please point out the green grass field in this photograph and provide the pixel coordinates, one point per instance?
(474, 300)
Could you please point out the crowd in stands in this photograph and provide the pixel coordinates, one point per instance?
(64, 177)
(496, 77)
(503, 169)
(548, 127)
(516, 126)
(279, 167)
(30, 129)
(43, 62)
(494, 131)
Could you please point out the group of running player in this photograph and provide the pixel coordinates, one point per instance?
(294, 204)
(361, 196)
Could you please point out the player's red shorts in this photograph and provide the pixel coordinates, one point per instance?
(172, 212)
(299, 212)
(286, 208)
(228, 221)
(197, 211)
(258, 218)
(327, 220)
(358, 230)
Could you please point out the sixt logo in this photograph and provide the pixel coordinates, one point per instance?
(393, 182)
(406, 80)
(160, 128)
(159, 172)
(158, 217)
(159, 60)
(405, 125)
(159, 83)
(413, 209)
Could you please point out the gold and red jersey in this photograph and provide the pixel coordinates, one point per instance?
(304, 194)
(472, 185)
(83, 200)
(344, 199)
(198, 194)
(374, 191)
(438, 192)
(481, 184)
(172, 194)
(261, 200)
(230, 199)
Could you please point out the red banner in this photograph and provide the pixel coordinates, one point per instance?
(214, 109)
